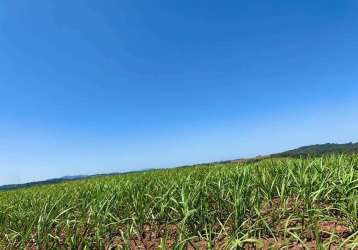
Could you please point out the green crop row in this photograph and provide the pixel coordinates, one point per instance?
(306, 203)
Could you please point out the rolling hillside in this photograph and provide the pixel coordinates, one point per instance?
(320, 149)
(313, 150)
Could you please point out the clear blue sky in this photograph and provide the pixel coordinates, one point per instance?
(101, 86)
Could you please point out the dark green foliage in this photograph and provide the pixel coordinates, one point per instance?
(320, 149)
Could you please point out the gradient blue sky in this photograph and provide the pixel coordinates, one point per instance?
(101, 86)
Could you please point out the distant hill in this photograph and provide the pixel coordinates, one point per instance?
(320, 149)
(50, 181)
(313, 150)
(63, 179)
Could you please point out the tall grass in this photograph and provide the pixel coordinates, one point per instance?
(280, 202)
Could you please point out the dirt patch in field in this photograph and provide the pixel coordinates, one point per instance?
(152, 238)
(155, 236)
(331, 227)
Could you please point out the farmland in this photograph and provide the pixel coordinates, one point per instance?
(307, 203)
